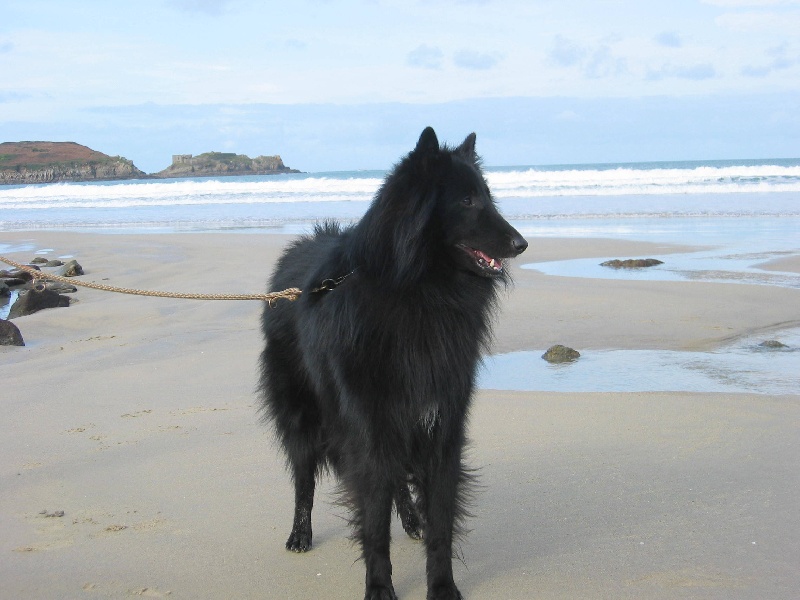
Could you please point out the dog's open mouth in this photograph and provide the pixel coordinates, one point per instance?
(485, 263)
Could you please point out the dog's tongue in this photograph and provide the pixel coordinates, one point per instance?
(495, 263)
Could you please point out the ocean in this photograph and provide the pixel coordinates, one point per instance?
(712, 189)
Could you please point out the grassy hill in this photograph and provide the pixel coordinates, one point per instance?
(46, 162)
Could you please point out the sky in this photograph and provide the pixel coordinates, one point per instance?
(350, 84)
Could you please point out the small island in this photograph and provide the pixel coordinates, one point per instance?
(215, 164)
(52, 162)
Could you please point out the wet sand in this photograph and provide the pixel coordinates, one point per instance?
(790, 264)
(136, 418)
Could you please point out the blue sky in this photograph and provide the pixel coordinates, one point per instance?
(349, 84)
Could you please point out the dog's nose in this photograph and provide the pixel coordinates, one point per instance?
(519, 244)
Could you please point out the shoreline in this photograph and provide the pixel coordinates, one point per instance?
(137, 417)
(150, 177)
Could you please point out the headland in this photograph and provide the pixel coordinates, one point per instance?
(51, 162)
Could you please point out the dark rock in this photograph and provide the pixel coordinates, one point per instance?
(560, 354)
(4, 290)
(773, 344)
(61, 288)
(18, 276)
(53, 263)
(9, 334)
(35, 300)
(39, 260)
(71, 269)
(15, 281)
(631, 263)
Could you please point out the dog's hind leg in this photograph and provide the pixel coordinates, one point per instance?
(303, 444)
(304, 483)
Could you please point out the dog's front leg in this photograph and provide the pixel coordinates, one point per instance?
(441, 495)
(376, 513)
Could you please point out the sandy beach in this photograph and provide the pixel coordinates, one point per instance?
(135, 463)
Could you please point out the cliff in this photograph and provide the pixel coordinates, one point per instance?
(223, 164)
(49, 162)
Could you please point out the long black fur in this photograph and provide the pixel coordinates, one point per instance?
(373, 378)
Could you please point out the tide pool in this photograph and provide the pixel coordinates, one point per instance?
(742, 367)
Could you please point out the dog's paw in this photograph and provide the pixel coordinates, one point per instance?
(444, 592)
(380, 592)
(299, 541)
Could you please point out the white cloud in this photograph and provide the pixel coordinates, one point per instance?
(476, 61)
(594, 61)
(388, 50)
(426, 57)
(566, 53)
(603, 63)
(779, 58)
(697, 72)
(669, 39)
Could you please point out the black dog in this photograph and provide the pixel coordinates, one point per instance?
(372, 370)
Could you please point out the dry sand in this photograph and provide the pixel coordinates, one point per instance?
(137, 418)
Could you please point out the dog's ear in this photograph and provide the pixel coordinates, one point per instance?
(428, 141)
(467, 148)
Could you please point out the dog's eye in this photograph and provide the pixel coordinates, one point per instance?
(467, 201)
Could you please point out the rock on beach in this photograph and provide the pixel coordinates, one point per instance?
(631, 263)
(560, 354)
(34, 300)
(10, 334)
(773, 345)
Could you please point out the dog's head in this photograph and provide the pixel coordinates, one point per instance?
(476, 236)
(435, 213)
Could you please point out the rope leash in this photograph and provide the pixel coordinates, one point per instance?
(271, 298)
